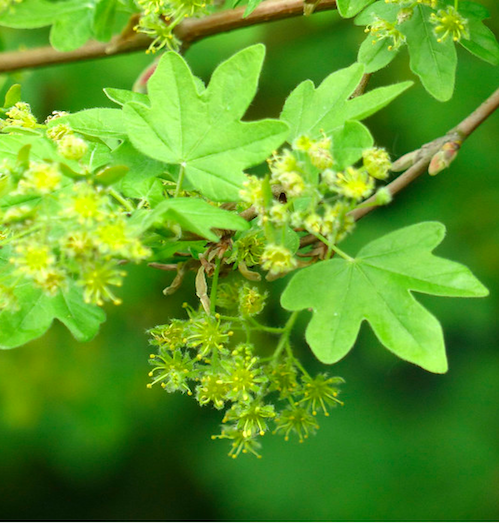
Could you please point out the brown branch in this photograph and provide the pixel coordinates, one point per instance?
(189, 31)
(424, 155)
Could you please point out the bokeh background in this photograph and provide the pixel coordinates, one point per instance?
(82, 438)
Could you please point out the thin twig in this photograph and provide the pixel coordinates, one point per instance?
(422, 158)
(461, 132)
(360, 89)
(189, 31)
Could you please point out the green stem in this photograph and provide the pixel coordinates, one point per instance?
(180, 181)
(126, 204)
(332, 247)
(272, 330)
(285, 335)
(214, 285)
(296, 360)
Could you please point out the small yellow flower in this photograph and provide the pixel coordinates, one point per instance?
(58, 131)
(382, 29)
(254, 193)
(40, 178)
(87, 205)
(96, 281)
(277, 259)
(354, 184)
(377, 162)
(313, 223)
(451, 23)
(251, 300)
(71, 147)
(279, 214)
(33, 259)
(20, 116)
(320, 155)
(292, 183)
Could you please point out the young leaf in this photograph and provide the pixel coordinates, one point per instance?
(376, 286)
(252, 5)
(312, 111)
(348, 143)
(197, 216)
(31, 14)
(98, 122)
(148, 189)
(202, 131)
(375, 55)
(122, 96)
(37, 311)
(103, 19)
(349, 8)
(72, 30)
(434, 62)
(12, 96)
(482, 42)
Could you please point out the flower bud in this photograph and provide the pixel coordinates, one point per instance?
(444, 157)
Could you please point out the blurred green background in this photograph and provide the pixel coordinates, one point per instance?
(82, 438)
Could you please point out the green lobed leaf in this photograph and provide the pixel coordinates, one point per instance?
(376, 286)
(98, 122)
(379, 9)
(12, 96)
(103, 19)
(122, 96)
(31, 14)
(72, 30)
(313, 111)
(373, 101)
(349, 8)
(202, 131)
(482, 42)
(434, 62)
(147, 189)
(348, 143)
(252, 5)
(375, 55)
(195, 215)
(37, 312)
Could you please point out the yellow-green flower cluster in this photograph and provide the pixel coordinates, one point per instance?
(450, 23)
(160, 17)
(60, 231)
(200, 356)
(20, 115)
(69, 146)
(381, 29)
(306, 192)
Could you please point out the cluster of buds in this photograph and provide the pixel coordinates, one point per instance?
(19, 115)
(160, 17)
(306, 193)
(69, 146)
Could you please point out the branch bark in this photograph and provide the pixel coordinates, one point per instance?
(422, 157)
(459, 133)
(190, 31)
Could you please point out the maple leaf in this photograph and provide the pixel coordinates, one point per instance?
(199, 128)
(376, 286)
